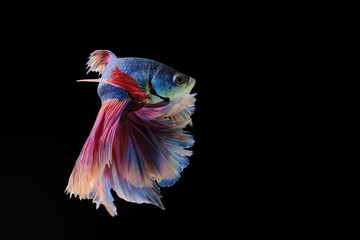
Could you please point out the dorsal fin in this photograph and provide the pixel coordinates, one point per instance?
(98, 60)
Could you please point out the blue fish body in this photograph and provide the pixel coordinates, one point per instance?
(148, 74)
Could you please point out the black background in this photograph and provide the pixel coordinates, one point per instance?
(238, 182)
(46, 117)
(249, 175)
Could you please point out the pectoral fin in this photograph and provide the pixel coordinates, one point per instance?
(122, 80)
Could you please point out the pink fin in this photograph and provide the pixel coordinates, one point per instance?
(132, 149)
(98, 60)
(95, 171)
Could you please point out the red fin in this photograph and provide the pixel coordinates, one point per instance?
(126, 82)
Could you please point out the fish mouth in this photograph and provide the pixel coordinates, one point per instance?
(191, 84)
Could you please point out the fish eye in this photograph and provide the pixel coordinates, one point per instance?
(179, 79)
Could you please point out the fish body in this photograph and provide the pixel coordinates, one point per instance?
(147, 74)
(138, 143)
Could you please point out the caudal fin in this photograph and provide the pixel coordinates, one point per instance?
(96, 170)
(133, 149)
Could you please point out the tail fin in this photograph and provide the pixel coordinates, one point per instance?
(133, 149)
(98, 60)
(96, 172)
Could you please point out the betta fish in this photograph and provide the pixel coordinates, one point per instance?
(138, 142)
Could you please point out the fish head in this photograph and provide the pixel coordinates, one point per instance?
(167, 83)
